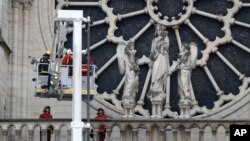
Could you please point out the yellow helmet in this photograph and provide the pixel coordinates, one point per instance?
(48, 52)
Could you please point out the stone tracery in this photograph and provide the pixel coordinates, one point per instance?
(174, 23)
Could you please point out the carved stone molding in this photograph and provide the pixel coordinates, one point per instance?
(15, 3)
(27, 4)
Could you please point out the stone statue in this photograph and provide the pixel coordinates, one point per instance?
(186, 62)
(160, 60)
(160, 66)
(129, 67)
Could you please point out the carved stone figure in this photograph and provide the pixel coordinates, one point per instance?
(160, 66)
(129, 67)
(160, 60)
(187, 62)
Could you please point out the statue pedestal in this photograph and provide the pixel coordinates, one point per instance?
(156, 108)
(185, 105)
(157, 100)
(128, 109)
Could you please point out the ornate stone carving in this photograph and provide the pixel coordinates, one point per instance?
(15, 3)
(129, 67)
(170, 21)
(159, 60)
(160, 65)
(27, 4)
(211, 46)
(187, 62)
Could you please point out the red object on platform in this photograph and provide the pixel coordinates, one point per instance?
(84, 70)
(67, 59)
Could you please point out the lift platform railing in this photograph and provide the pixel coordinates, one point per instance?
(65, 80)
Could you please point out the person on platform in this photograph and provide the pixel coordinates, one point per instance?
(46, 115)
(44, 67)
(68, 60)
(85, 60)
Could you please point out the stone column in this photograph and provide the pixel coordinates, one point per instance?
(201, 134)
(69, 135)
(168, 134)
(25, 47)
(5, 132)
(135, 134)
(167, 105)
(14, 68)
(17, 134)
(175, 134)
(43, 134)
(157, 100)
(31, 135)
(214, 134)
(161, 134)
(57, 135)
(187, 134)
(128, 110)
(227, 132)
(122, 133)
(108, 134)
(148, 133)
(84, 134)
(184, 105)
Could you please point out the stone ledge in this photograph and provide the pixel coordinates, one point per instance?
(193, 121)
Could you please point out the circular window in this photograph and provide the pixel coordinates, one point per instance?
(219, 76)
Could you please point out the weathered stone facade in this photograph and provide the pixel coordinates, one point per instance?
(27, 29)
(21, 25)
(4, 77)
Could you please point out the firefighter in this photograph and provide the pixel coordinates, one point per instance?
(44, 67)
(68, 60)
(85, 60)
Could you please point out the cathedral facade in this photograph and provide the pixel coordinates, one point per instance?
(214, 83)
(156, 60)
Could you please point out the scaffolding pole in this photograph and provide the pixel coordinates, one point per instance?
(77, 17)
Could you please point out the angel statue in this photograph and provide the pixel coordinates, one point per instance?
(129, 67)
(186, 62)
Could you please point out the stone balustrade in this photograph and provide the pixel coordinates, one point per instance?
(121, 129)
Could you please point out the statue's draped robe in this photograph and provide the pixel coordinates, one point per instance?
(131, 79)
(184, 76)
(160, 57)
